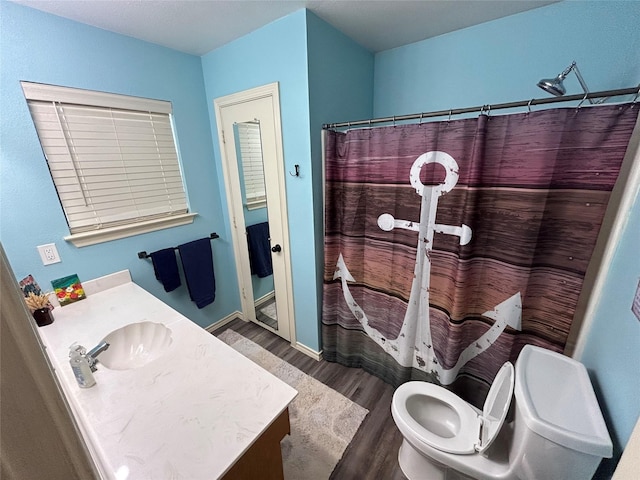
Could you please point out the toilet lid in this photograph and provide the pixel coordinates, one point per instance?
(496, 406)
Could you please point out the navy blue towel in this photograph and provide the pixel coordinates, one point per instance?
(197, 264)
(165, 267)
(259, 249)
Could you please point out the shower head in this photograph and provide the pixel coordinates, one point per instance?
(555, 86)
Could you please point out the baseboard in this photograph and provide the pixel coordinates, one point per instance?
(308, 351)
(238, 314)
(224, 321)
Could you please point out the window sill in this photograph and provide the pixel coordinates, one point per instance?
(256, 204)
(114, 233)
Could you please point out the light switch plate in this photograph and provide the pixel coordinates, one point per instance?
(48, 253)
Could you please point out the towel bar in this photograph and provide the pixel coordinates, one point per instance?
(144, 254)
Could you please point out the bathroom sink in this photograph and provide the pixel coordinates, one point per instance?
(135, 345)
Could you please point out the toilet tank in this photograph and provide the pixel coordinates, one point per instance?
(559, 431)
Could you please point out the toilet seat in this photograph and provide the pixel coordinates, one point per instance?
(469, 423)
(475, 431)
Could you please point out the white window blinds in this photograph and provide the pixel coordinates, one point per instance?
(112, 158)
(252, 169)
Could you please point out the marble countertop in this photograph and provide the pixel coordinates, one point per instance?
(191, 413)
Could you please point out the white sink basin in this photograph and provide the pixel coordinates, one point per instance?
(135, 345)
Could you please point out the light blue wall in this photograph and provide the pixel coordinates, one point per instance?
(39, 47)
(43, 48)
(340, 88)
(501, 61)
(278, 53)
(612, 351)
(323, 76)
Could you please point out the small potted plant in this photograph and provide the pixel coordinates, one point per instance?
(40, 307)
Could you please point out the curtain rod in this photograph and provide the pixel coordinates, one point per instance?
(488, 108)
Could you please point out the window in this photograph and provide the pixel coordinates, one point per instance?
(113, 161)
(252, 171)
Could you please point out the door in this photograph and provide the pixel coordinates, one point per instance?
(39, 436)
(250, 141)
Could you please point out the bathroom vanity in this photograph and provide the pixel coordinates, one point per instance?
(198, 410)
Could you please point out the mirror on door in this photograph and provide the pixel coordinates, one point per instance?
(254, 199)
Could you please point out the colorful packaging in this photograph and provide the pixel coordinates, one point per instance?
(29, 285)
(68, 289)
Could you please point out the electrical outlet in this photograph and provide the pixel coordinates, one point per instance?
(48, 253)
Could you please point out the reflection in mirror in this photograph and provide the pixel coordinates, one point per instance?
(252, 186)
(250, 165)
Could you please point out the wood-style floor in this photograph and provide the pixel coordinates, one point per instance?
(373, 453)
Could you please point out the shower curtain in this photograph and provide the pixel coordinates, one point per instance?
(450, 245)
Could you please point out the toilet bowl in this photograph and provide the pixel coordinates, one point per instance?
(558, 431)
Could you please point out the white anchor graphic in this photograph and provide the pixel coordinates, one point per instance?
(413, 346)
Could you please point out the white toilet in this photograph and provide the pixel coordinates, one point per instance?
(558, 431)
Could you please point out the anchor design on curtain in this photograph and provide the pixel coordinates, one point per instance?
(413, 346)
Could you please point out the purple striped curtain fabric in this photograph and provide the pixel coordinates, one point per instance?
(451, 245)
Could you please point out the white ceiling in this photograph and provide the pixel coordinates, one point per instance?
(199, 26)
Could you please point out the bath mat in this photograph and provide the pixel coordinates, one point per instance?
(323, 421)
(268, 314)
(270, 310)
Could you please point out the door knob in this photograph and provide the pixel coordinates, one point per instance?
(276, 248)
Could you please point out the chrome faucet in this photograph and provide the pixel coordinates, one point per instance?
(92, 355)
